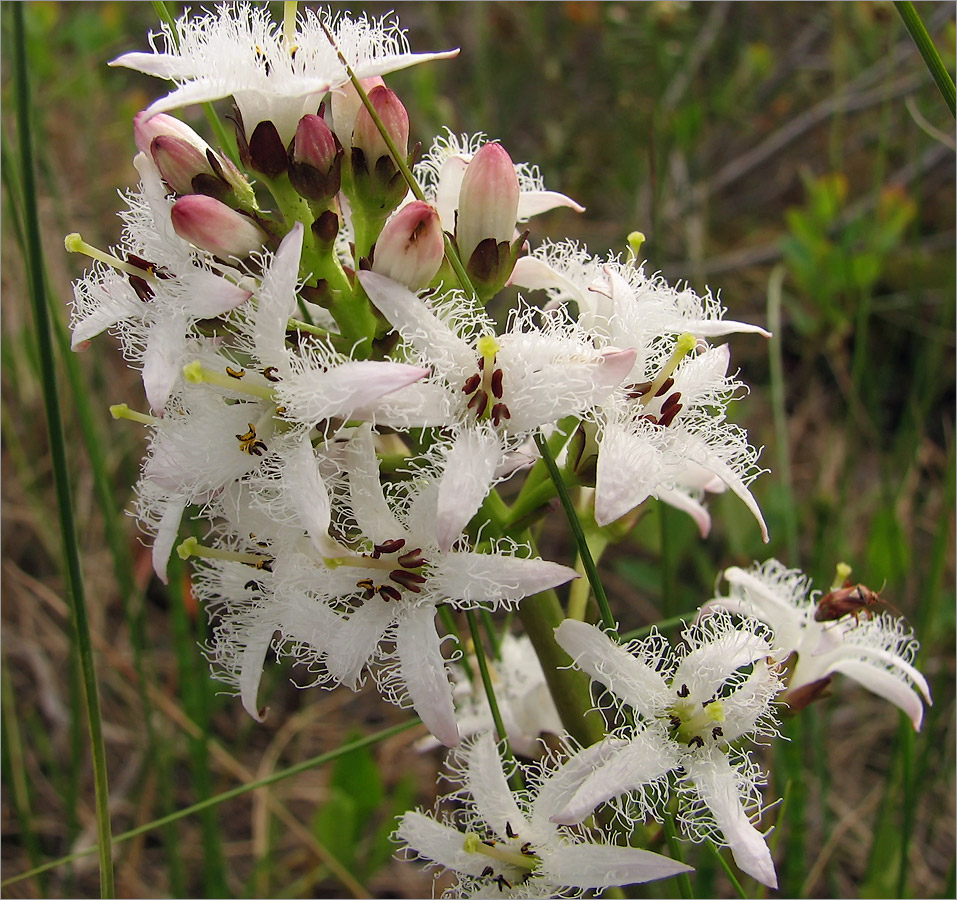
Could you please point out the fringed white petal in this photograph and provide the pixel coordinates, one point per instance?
(631, 679)
(489, 788)
(424, 672)
(439, 843)
(469, 579)
(717, 784)
(469, 472)
(595, 866)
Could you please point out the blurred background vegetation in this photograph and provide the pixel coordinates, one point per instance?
(795, 156)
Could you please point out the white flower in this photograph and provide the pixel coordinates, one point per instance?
(506, 843)
(693, 702)
(154, 312)
(522, 695)
(239, 50)
(665, 433)
(373, 598)
(876, 651)
(493, 389)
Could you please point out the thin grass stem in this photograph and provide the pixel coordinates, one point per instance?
(588, 563)
(938, 71)
(57, 440)
(221, 798)
(515, 779)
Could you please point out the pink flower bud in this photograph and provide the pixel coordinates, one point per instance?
(146, 129)
(315, 144)
(213, 226)
(366, 136)
(345, 105)
(181, 154)
(488, 200)
(410, 248)
(315, 166)
(179, 162)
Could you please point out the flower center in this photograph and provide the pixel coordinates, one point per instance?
(484, 387)
(695, 724)
(404, 569)
(659, 405)
(513, 860)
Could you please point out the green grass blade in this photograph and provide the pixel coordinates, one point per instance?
(210, 802)
(938, 71)
(54, 422)
(588, 563)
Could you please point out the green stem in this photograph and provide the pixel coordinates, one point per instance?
(516, 780)
(598, 589)
(938, 71)
(570, 688)
(221, 798)
(671, 835)
(728, 870)
(58, 455)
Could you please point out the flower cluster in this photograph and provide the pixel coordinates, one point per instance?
(330, 397)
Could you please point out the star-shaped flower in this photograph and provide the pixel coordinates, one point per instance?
(878, 651)
(239, 51)
(508, 842)
(691, 704)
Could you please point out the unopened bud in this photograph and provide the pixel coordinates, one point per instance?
(316, 160)
(488, 200)
(210, 225)
(188, 164)
(410, 248)
(366, 136)
(267, 152)
(345, 104)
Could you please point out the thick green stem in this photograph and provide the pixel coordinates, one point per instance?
(541, 614)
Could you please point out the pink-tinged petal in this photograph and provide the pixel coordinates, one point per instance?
(606, 661)
(411, 316)
(424, 672)
(253, 657)
(488, 200)
(313, 395)
(893, 688)
(738, 487)
(439, 843)
(202, 90)
(469, 473)
(372, 513)
(630, 468)
(307, 493)
(163, 360)
(212, 295)
(277, 293)
(602, 865)
(603, 771)
(357, 641)
(687, 504)
(717, 784)
(489, 579)
(485, 781)
(533, 203)
(543, 384)
(166, 533)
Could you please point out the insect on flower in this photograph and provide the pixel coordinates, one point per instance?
(847, 600)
